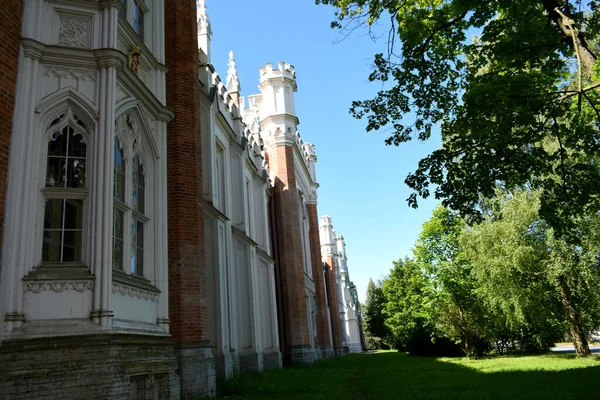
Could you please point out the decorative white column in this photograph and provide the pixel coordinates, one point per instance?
(109, 60)
(18, 235)
(162, 275)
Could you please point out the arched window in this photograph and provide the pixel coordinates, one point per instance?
(304, 233)
(65, 189)
(129, 193)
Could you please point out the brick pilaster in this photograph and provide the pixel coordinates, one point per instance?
(291, 270)
(11, 14)
(334, 304)
(323, 339)
(187, 274)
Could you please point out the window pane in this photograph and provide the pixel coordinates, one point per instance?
(118, 224)
(51, 246)
(53, 214)
(118, 254)
(73, 214)
(123, 9)
(141, 179)
(140, 234)
(119, 162)
(136, 11)
(57, 146)
(77, 147)
(140, 29)
(55, 172)
(76, 174)
(139, 266)
(134, 182)
(136, 265)
(118, 239)
(119, 174)
(141, 199)
(71, 246)
(119, 190)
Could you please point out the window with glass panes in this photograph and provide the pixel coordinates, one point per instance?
(123, 8)
(129, 218)
(64, 190)
(138, 20)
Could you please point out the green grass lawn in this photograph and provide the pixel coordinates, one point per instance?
(392, 375)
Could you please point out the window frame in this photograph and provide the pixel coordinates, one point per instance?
(130, 136)
(66, 118)
(130, 8)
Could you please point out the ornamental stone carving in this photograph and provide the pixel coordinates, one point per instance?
(84, 75)
(135, 55)
(73, 32)
(130, 291)
(79, 286)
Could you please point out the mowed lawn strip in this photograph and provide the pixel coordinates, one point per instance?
(392, 375)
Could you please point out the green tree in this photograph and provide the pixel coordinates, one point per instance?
(373, 317)
(457, 311)
(524, 272)
(530, 77)
(406, 292)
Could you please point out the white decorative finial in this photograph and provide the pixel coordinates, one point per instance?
(203, 20)
(233, 80)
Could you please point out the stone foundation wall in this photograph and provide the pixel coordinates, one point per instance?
(107, 366)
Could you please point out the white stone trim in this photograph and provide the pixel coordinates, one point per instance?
(58, 286)
(126, 290)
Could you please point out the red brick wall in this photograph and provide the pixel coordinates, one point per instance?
(332, 294)
(187, 275)
(10, 35)
(323, 339)
(293, 297)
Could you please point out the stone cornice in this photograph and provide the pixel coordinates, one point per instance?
(134, 286)
(264, 256)
(211, 210)
(130, 81)
(109, 58)
(237, 232)
(33, 49)
(109, 3)
(89, 4)
(276, 118)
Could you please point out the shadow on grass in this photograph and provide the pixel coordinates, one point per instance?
(393, 375)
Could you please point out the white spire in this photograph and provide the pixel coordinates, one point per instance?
(203, 20)
(233, 80)
(204, 29)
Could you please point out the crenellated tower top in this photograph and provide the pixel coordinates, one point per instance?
(277, 86)
(327, 236)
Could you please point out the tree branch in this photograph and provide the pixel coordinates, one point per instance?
(588, 58)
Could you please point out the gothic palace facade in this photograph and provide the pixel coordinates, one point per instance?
(158, 230)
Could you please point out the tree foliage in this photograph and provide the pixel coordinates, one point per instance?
(507, 283)
(528, 77)
(509, 252)
(457, 311)
(373, 316)
(406, 292)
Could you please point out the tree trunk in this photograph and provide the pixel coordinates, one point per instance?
(575, 39)
(574, 320)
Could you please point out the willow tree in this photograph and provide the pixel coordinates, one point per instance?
(501, 79)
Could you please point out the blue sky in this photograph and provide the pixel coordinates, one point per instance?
(362, 179)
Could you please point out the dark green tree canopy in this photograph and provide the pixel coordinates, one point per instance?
(374, 320)
(517, 104)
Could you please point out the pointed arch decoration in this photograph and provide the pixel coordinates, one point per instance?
(134, 107)
(54, 104)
